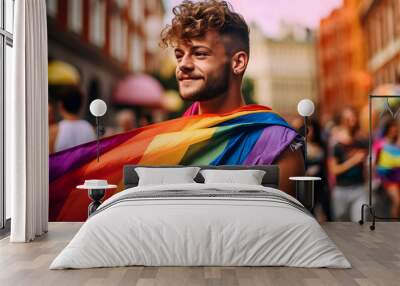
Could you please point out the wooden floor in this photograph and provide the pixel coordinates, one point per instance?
(374, 255)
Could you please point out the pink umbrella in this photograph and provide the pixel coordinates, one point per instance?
(141, 89)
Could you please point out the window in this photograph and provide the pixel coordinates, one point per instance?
(6, 64)
(396, 16)
(97, 22)
(115, 30)
(119, 37)
(137, 11)
(75, 15)
(137, 53)
(52, 7)
(390, 21)
(124, 41)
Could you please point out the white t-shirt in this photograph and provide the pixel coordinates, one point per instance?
(72, 133)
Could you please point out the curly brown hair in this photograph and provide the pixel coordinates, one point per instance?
(194, 19)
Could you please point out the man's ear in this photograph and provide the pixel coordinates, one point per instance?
(239, 62)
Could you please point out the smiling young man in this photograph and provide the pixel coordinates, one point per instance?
(211, 45)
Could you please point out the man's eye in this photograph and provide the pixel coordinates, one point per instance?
(178, 56)
(200, 55)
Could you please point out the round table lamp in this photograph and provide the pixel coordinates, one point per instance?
(98, 108)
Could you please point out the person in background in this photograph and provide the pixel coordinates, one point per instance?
(144, 120)
(126, 120)
(347, 165)
(386, 152)
(316, 166)
(71, 130)
(388, 135)
(52, 123)
(52, 112)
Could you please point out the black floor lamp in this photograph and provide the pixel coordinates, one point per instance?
(369, 206)
(96, 188)
(305, 185)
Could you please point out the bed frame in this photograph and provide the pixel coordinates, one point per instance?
(270, 179)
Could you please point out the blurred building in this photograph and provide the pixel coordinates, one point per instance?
(283, 69)
(343, 79)
(381, 25)
(105, 39)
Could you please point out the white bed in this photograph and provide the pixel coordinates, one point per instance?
(223, 225)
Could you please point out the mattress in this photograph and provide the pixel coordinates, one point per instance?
(201, 225)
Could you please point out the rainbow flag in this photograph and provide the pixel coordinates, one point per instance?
(388, 163)
(236, 138)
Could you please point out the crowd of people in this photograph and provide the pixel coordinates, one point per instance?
(338, 153)
(68, 128)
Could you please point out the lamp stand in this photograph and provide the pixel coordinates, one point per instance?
(97, 135)
(305, 143)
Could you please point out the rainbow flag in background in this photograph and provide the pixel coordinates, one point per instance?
(388, 163)
(237, 138)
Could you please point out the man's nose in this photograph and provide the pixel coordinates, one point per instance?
(186, 64)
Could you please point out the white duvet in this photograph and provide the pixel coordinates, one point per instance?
(200, 231)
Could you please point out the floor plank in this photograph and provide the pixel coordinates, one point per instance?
(374, 255)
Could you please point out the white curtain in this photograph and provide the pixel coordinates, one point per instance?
(27, 124)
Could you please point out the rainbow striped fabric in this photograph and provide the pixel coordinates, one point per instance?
(236, 138)
(388, 163)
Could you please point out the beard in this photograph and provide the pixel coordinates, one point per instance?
(214, 87)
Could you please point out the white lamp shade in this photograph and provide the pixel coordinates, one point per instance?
(305, 107)
(98, 107)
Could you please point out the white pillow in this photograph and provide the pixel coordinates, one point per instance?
(167, 175)
(248, 177)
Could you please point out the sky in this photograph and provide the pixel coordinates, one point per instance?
(268, 14)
